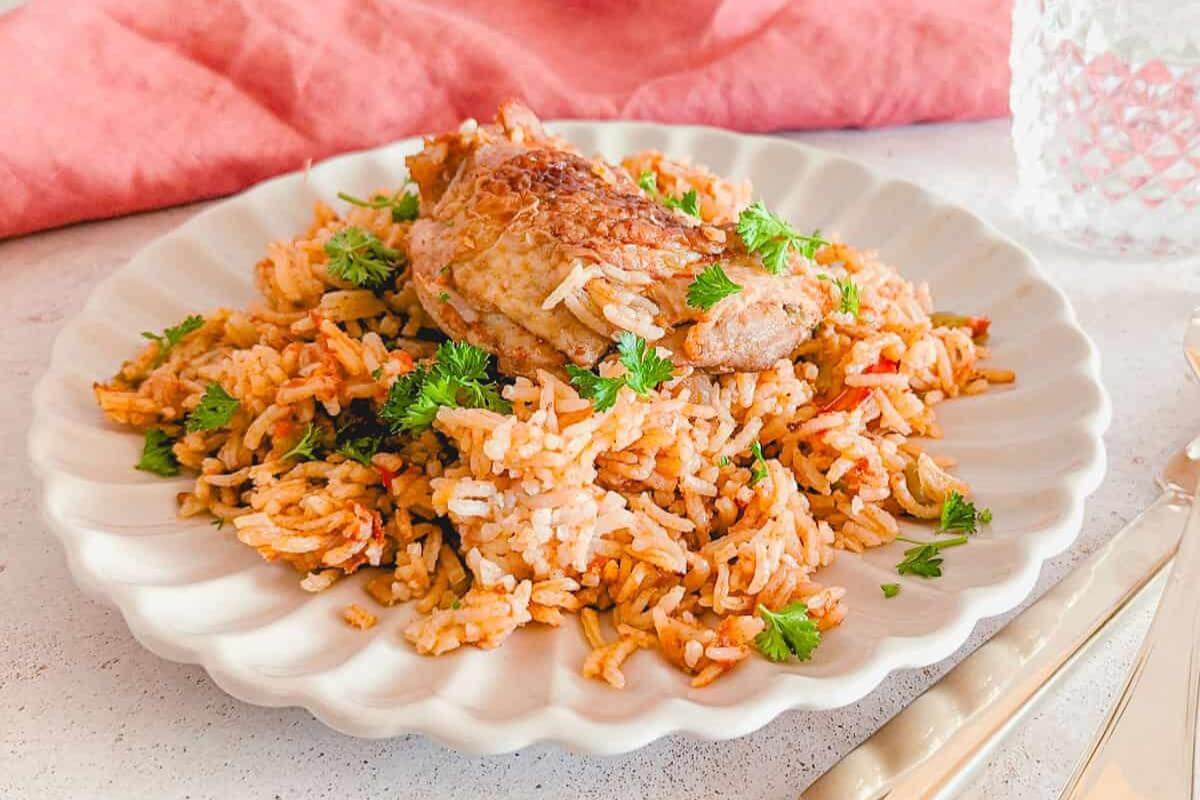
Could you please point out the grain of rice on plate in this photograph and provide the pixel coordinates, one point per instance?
(692, 506)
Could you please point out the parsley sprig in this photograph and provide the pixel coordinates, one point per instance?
(358, 257)
(924, 559)
(157, 455)
(361, 449)
(644, 367)
(458, 378)
(849, 292)
(710, 287)
(404, 205)
(688, 202)
(759, 470)
(305, 448)
(890, 590)
(772, 237)
(644, 370)
(601, 391)
(959, 515)
(788, 632)
(214, 411)
(172, 336)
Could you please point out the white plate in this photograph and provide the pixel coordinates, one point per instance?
(1032, 453)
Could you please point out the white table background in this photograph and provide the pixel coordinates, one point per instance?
(86, 712)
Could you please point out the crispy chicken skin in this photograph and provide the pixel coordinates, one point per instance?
(542, 257)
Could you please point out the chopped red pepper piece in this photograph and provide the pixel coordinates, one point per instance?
(403, 359)
(387, 475)
(849, 398)
(979, 326)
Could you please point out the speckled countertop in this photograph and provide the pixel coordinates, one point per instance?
(86, 712)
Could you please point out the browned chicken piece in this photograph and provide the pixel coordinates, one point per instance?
(542, 257)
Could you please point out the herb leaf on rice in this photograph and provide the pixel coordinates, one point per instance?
(645, 369)
(361, 449)
(404, 205)
(601, 391)
(758, 470)
(305, 448)
(457, 378)
(172, 336)
(215, 410)
(688, 203)
(357, 256)
(849, 303)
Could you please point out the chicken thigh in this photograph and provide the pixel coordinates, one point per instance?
(541, 256)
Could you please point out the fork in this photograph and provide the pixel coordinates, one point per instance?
(1146, 749)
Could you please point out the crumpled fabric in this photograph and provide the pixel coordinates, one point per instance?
(116, 106)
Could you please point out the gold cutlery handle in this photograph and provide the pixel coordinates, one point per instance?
(1146, 749)
(926, 750)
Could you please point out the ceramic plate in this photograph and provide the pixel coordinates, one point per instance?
(1032, 452)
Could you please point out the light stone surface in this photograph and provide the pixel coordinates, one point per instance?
(86, 712)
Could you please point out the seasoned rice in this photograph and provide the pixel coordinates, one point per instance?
(643, 519)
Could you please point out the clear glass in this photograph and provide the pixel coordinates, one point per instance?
(1106, 121)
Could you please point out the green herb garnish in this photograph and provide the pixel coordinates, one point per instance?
(849, 292)
(218, 523)
(710, 287)
(157, 455)
(959, 515)
(214, 411)
(305, 448)
(457, 378)
(924, 559)
(788, 632)
(644, 370)
(601, 391)
(890, 590)
(759, 470)
(358, 257)
(361, 449)
(689, 203)
(644, 367)
(404, 205)
(772, 237)
(172, 336)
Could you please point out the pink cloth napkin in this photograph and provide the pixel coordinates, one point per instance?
(114, 106)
